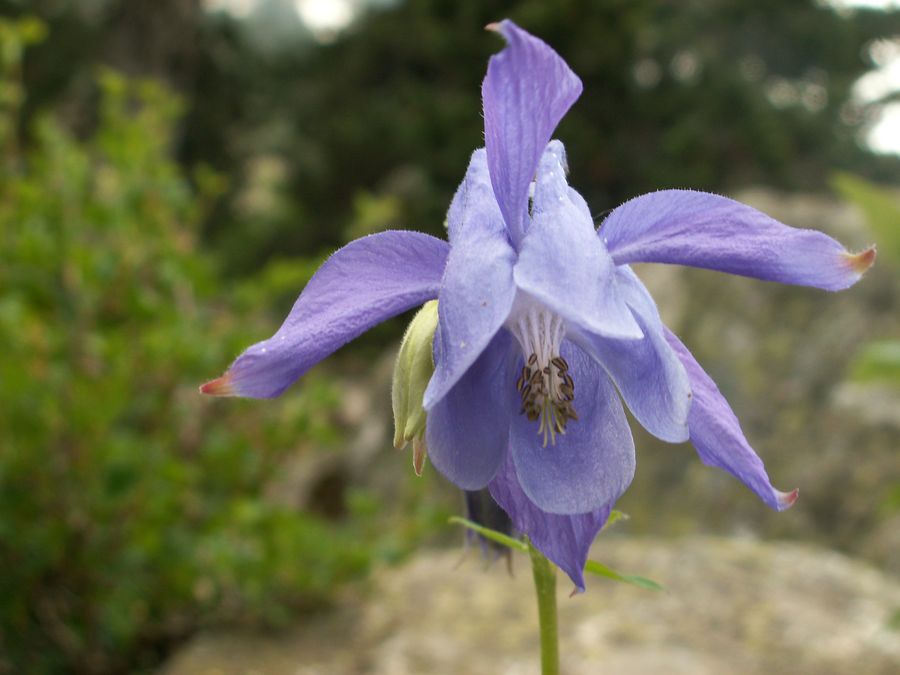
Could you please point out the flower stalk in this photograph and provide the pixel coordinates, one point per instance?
(545, 586)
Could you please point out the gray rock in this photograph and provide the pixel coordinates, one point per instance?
(730, 606)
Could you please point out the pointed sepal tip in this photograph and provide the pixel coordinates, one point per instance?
(862, 261)
(420, 452)
(787, 499)
(221, 386)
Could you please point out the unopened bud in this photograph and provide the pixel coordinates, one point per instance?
(412, 371)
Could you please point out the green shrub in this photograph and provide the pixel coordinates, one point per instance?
(131, 508)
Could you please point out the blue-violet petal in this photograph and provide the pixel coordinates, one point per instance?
(699, 229)
(717, 436)
(564, 265)
(527, 90)
(647, 372)
(590, 465)
(477, 290)
(467, 430)
(565, 540)
(362, 284)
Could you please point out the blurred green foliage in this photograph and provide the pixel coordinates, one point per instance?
(322, 142)
(880, 207)
(132, 509)
(663, 83)
(877, 361)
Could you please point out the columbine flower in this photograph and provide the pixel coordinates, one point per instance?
(542, 325)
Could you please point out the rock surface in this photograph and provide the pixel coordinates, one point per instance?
(730, 606)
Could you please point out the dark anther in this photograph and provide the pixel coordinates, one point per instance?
(521, 381)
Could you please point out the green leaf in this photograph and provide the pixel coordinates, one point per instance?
(614, 517)
(879, 205)
(878, 361)
(493, 535)
(602, 570)
(592, 566)
(894, 620)
(892, 501)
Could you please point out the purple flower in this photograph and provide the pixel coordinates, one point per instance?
(543, 328)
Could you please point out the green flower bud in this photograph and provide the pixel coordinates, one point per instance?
(415, 364)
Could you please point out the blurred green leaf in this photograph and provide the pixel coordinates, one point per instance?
(601, 570)
(894, 620)
(592, 566)
(614, 517)
(892, 501)
(881, 208)
(492, 535)
(878, 362)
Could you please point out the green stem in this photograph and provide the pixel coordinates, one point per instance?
(545, 585)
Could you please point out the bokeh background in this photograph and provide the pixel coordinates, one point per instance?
(173, 171)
